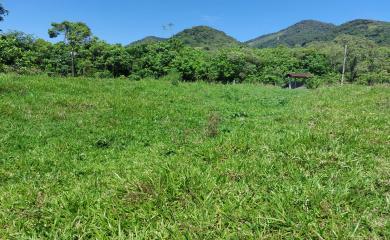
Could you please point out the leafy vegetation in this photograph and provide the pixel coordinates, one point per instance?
(206, 54)
(113, 158)
(86, 55)
(75, 35)
(3, 12)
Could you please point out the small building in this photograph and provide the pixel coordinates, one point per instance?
(297, 80)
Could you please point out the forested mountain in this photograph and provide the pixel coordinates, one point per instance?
(206, 37)
(149, 39)
(377, 31)
(309, 31)
(299, 34)
(200, 37)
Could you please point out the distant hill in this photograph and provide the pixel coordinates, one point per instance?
(149, 39)
(298, 34)
(200, 37)
(377, 31)
(309, 31)
(206, 37)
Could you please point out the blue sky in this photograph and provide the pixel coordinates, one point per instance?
(123, 21)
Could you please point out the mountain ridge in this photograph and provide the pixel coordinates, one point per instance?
(198, 36)
(148, 40)
(298, 34)
(307, 31)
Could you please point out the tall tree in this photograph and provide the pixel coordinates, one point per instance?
(360, 55)
(3, 12)
(76, 34)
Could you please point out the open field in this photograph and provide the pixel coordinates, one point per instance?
(90, 158)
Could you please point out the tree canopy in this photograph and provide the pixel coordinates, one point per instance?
(75, 34)
(3, 12)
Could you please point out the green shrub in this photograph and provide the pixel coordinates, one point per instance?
(28, 71)
(313, 82)
(189, 62)
(374, 78)
(135, 77)
(331, 78)
(103, 74)
(174, 77)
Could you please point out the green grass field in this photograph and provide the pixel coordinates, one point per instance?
(100, 159)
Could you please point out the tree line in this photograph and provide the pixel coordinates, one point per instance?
(79, 53)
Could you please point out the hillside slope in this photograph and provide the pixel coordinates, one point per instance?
(200, 37)
(309, 31)
(103, 159)
(298, 34)
(206, 37)
(147, 40)
(377, 31)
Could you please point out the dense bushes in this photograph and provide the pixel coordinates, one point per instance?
(367, 63)
(374, 78)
